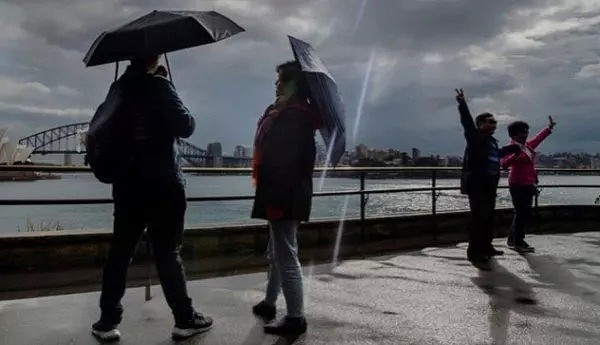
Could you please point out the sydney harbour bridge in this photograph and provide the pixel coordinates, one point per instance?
(69, 139)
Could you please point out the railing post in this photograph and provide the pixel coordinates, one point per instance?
(362, 205)
(434, 228)
(536, 203)
(433, 192)
(148, 291)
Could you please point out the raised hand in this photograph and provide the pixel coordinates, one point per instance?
(551, 123)
(460, 96)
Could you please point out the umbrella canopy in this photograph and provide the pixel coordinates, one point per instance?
(325, 95)
(160, 32)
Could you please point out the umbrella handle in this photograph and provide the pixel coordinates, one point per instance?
(116, 70)
(169, 68)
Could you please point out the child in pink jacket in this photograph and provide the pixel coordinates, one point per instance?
(522, 179)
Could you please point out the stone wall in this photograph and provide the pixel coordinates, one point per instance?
(36, 264)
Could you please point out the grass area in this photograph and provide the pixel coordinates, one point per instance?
(41, 227)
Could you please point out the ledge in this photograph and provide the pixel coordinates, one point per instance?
(44, 263)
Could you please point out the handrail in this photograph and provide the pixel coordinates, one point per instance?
(72, 169)
(362, 192)
(362, 170)
(31, 202)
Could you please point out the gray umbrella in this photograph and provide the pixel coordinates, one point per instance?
(325, 95)
(160, 32)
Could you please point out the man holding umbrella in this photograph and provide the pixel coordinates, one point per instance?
(149, 192)
(144, 114)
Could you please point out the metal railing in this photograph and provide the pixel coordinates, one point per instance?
(362, 173)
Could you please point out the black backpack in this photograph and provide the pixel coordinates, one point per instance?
(109, 136)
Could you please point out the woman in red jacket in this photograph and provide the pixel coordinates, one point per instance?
(522, 179)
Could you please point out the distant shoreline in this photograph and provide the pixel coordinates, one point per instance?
(440, 174)
(24, 176)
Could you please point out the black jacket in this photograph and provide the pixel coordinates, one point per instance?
(155, 117)
(286, 170)
(481, 162)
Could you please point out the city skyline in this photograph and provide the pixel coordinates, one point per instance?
(413, 151)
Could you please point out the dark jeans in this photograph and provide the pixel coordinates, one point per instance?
(481, 223)
(161, 210)
(522, 198)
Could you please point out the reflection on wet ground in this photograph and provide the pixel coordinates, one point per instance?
(432, 296)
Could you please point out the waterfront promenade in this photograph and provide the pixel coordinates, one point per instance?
(430, 296)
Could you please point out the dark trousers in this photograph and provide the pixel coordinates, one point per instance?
(522, 199)
(161, 211)
(482, 203)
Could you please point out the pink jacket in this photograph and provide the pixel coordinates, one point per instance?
(521, 167)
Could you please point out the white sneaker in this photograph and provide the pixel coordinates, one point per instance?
(199, 324)
(105, 332)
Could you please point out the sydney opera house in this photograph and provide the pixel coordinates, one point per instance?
(11, 153)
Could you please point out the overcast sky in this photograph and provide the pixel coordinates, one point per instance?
(517, 59)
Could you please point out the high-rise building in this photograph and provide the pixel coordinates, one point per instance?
(214, 150)
(238, 151)
(361, 151)
(248, 151)
(404, 159)
(242, 151)
(416, 153)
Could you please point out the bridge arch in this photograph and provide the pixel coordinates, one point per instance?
(192, 153)
(56, 140)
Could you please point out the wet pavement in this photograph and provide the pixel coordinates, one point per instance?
(432, 296)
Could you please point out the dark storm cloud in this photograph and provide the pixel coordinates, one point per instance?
(518, 59)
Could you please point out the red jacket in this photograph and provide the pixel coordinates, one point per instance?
(521, 166)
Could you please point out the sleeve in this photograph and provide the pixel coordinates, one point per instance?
(538, 138)
(466, 121)
(509, 155)
(507, 161)
(179, 121)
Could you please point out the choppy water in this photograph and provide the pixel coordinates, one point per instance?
(17, 218)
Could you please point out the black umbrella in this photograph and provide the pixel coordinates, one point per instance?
(325, 95)
(160, 32)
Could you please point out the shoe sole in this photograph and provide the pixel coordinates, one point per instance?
(525, 250)
(522, 250)
(289, 333)
(179, 334)
(481, 264)
(112, 335)
(265, 318)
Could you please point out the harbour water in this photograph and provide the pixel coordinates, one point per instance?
(92, 217)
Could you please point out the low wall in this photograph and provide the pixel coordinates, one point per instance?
(36, 264)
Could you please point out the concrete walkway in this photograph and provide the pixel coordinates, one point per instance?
(433, 296)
